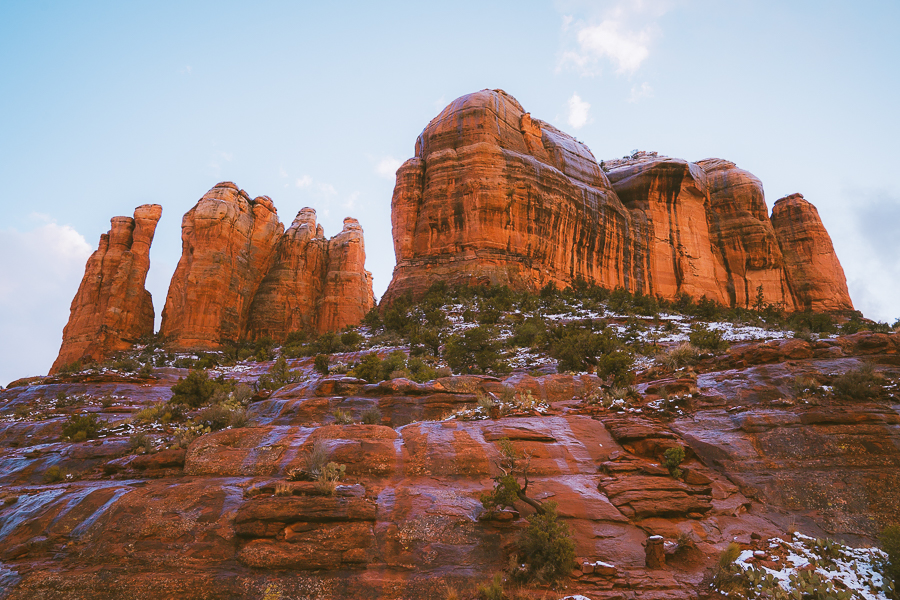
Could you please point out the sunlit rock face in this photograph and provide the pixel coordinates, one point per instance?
(242, 276)
(112, 309)
(814, 271)
(228, 243)
(315, 284)
(493, 195)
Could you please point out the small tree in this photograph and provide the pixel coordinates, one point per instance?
(546, 546)
(513, 465)
(321, 363)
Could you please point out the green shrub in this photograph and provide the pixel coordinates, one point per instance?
(55, 474)
(351, 339)
(369, 368)
(218, 417)
(73, 367)
(342, 417)
(328, 479)
(890, 543)
(321, 363)
(530, 333)
(473, 351)
(140, 442)
(858, 384)
(576, 346)
(81, 427)
(371, 416)
(546, 547)
(195, 390)
(672, 458)
(705, 338)
(315, 459)
(680, 356)
(493, 590)
(616, 365)
(421, 371)
(279, 375)
(160, 413)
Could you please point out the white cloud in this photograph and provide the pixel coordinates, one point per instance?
(387, 167)
(622, 35)
(39, 276)
(185, 70)
(642, 91)
(304, 181)
(440, 104)
(579, 112)
(351, 201)
(326, 188)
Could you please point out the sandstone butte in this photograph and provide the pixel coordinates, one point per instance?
(111, 309)
(241, 275)
(493, 195)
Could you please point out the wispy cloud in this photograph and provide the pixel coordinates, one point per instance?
(622, 35)
(304, 181)
(579, 112)
(326, 188)
(185, 70)
(387, 167)
(639, 92)
(350, 204)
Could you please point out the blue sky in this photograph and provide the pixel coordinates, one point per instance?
(108, 105)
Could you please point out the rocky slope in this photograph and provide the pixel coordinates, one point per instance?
(770, 445)
(496, 196)
(111, 309)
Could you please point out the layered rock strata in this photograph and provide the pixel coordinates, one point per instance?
(111, 309)
(241, 275)
(493, 195)
(815, 274)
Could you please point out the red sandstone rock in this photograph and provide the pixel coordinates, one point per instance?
(111, 309)
(488, 198)
(743, 234)
(814, 272)
(496, 196)
(228, 242)
(314, 284)
(672, 194)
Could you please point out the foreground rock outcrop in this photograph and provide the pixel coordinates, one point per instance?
(496, 196)
(112, 309)
(241, 275)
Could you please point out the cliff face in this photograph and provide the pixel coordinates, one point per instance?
(242, 276)
(815, 274)
(228, 242)
(111, 309)
(496, 196)
(315, 284)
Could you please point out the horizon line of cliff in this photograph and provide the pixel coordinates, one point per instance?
(492, 196)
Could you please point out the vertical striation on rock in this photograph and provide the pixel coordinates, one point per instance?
(112, 309)
(743, 235)
(314, 284)
(228, 243)
(814, 272)
(496, 196)
(672, 194)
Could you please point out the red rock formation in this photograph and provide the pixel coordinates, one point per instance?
(314, 284)
(112, 309)
(493, 195)
(814, 272)
(228, 243)
(744, 236)
(673, 195)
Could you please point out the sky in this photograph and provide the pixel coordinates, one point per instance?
(109, 105)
